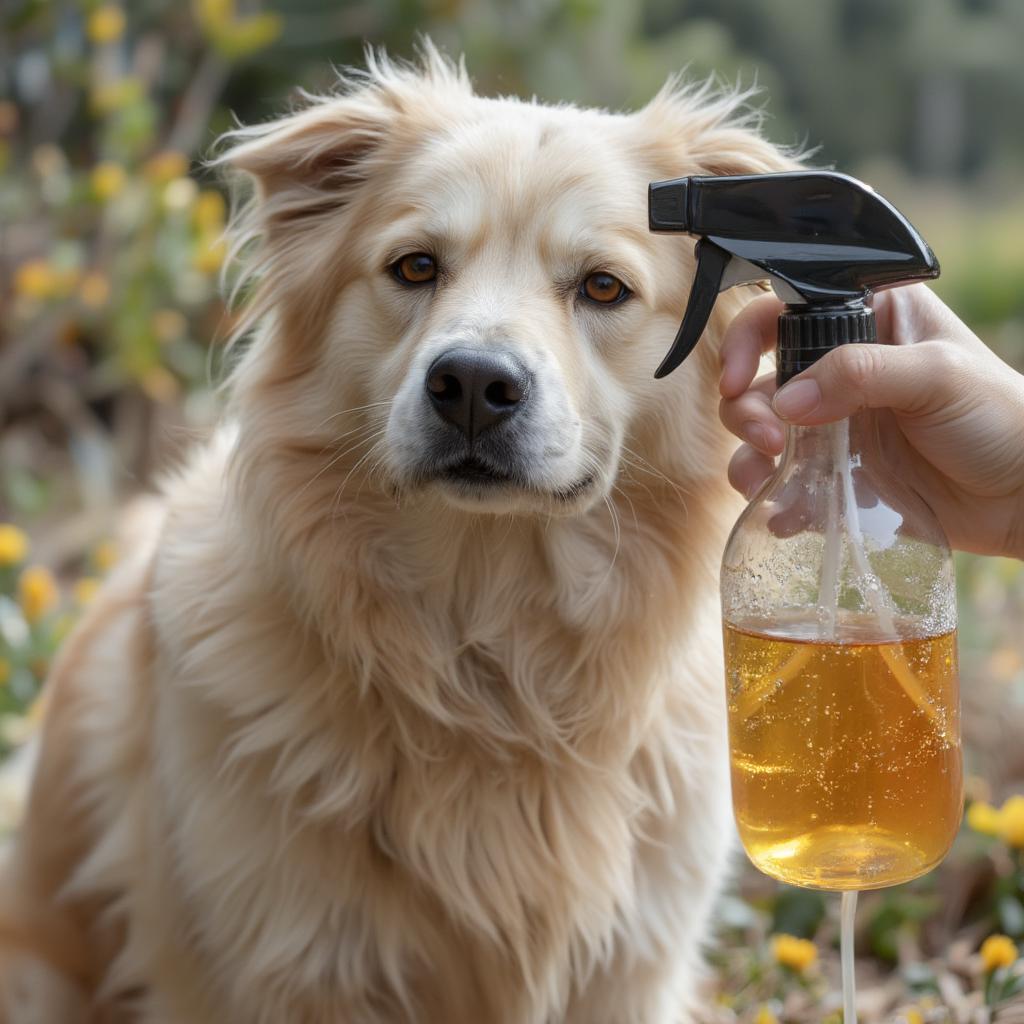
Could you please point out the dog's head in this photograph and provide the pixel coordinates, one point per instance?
(458, 296)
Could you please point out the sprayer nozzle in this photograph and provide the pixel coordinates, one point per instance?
(666, 205)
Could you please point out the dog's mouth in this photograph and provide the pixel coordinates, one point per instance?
(471, 470)
(472, 474)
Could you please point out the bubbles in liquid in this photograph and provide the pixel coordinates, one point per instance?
(848, 774)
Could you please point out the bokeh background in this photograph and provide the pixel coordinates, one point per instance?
(112, 320)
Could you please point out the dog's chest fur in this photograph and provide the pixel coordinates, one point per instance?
(447, 813)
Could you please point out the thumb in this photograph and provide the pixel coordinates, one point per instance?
(868, 376)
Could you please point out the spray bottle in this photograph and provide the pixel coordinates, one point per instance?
(838, 598)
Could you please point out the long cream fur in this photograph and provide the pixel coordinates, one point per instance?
(331, 750)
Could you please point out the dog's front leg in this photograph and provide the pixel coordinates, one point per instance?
(656, 972)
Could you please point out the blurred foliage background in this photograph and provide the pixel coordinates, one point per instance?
(110, 248)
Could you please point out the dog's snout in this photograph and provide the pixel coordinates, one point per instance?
(475, 389)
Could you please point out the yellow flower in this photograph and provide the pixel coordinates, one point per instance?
(998, 951)
(234, 36)
(166, 166)
(13, 544)
(107, 179)
(106, 97)
(796, 954)
(180, 193)
(160, 384)
(105, 24)
(215, 12)
(1011, 821)
(168, 324)
(210, 254)
(5, 671)
(209, 212)
(94, 291)
(37, 592)
(36, 279)
(85, 590)
(104, 556)
(765, 1016)
(913, 1016)
(984, 818)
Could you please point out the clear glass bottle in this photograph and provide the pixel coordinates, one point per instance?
(839, 613)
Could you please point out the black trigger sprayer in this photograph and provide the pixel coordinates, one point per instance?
(838, 597)
(824, 240)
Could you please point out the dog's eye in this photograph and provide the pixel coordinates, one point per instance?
(416, 268)
(604, 288)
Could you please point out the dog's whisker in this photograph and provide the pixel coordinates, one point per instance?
(376, 467)
(348, 412)
(348, 433)
(618, 538)
(629, 501)
(639, 462)
(336, 440)
(336, 504)
(369, 453)
(634, 461)
(633, 480)
(334, 461)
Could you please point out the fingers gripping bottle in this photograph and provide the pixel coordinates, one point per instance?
(837, 581)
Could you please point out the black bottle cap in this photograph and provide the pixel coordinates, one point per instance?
(806, 333)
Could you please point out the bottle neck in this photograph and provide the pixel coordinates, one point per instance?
(823, 445)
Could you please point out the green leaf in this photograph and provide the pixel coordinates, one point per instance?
(883, 933)
(1010, 913)
(798, 912)
(246, 36)
(1012, 986)
(920, 978)
(899, 911)
(28, 494)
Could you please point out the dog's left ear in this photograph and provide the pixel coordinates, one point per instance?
(310, 162)
(307, 164)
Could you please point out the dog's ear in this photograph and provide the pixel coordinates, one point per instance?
(708, 130)
(307, 164)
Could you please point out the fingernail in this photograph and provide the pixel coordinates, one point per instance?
(797, 399)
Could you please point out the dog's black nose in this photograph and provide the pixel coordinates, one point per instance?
(474, 388)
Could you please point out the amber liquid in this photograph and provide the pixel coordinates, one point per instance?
(846, 766)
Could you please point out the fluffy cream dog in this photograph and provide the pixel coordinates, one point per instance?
(409, 707)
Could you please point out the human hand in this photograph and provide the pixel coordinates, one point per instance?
(958, 407)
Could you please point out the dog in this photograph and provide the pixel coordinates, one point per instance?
(407, 704)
